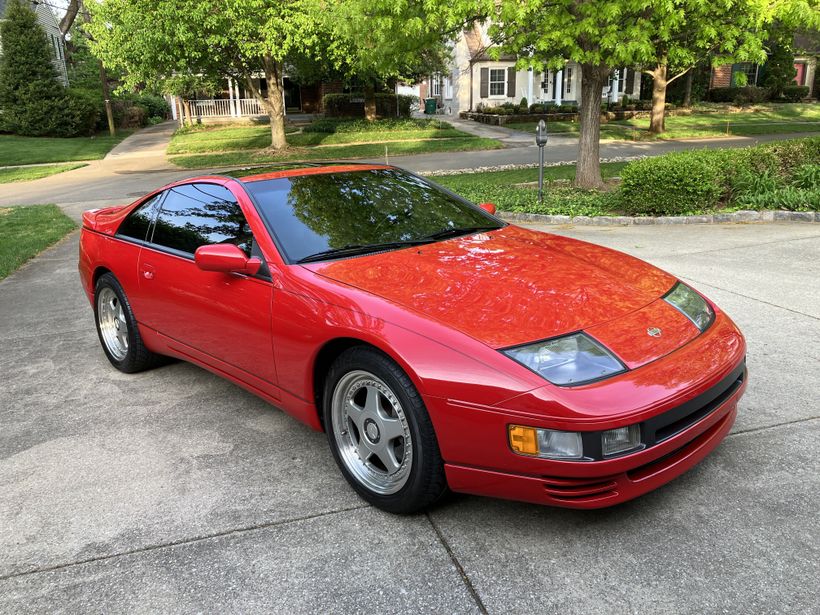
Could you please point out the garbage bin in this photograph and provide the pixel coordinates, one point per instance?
(430, 106)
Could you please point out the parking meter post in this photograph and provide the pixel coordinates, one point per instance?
(541, 141)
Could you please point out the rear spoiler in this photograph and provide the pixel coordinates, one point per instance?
(98, 219)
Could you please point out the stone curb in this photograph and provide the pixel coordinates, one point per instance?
(736, 216)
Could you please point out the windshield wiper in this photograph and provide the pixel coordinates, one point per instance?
(455, 232)
(354, 249)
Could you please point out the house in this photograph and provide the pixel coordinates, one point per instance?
(477, 79)
(806, 52)
(48, 22)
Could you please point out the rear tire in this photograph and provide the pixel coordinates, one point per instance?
(380, 433)
(117, 328)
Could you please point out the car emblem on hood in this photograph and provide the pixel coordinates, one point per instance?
(653, 331)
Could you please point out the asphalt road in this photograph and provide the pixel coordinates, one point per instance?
(175, 491)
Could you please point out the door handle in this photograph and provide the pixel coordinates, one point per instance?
(147, 271)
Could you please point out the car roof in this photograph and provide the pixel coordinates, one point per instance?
(297, 169)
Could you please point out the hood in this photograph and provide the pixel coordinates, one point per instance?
(507, 287)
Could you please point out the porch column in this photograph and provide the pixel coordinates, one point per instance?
(237, 99)
(231, 104)
(559, 86)
(529, 87)
(613, 92)
(173, 107)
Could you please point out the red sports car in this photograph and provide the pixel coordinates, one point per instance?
(437, 346)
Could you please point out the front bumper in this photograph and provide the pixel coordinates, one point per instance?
(605, 483)
(685, 402)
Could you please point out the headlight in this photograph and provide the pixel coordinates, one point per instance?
(547, 443)
(574, 359)
(621, 440)
(691, 305)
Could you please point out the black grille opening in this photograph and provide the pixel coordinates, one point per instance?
(667, 431)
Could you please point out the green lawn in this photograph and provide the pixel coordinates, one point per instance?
(33, 150)
(367, 150)
(339, 140)
(505, 189)
(27, 231)
(764, 119)
(24, 174)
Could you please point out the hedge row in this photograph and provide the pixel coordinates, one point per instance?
(752, 94)
(698, 180)
(352, 105)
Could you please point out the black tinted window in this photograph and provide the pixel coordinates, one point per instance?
(195, 215)
(314, 213)
(138, 221)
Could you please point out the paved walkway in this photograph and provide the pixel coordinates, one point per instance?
(133, 167)
(176, 491)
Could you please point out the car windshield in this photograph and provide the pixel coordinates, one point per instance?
(330, 215)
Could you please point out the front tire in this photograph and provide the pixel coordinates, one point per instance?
(380, 433)
(117, 328)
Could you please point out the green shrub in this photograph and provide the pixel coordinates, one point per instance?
(807, 177)
(670, 185)
(745, 95)
(537, 108)
(352, 105)
(79, 115)
(722, 95)
(333, 125)
(746, 182)
(789, 198)
(751, 95)
(795, 93)
(700, 180)
(155, 106)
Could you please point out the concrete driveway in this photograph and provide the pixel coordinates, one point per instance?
(175, 491)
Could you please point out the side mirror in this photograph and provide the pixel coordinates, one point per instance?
(227, 258)
(488, 207)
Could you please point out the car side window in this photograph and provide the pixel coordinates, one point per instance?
(138, 222)
(194, 215)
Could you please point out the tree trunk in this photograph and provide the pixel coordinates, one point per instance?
(687, 93)
(369, 102)
(658, 113)
(588, 169)
(187, 106)
(109, 113)
(275, 103)
(71, 11)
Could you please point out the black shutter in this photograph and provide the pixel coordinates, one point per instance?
(630, 81)
(485, 83)
(511, 81)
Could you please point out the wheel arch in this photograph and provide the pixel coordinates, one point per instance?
(332, 349)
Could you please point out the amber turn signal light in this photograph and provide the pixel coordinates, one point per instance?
(523, 440)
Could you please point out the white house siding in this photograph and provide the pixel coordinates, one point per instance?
(48, 22)
(465, 74)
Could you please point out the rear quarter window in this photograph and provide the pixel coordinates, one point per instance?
(138, 222)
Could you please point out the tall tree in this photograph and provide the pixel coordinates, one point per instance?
(152, 41)
(379, 40)
(599, 35)
(31, 95)
(688, 30)
(780, 71)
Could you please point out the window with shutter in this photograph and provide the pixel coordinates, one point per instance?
(497, 81)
